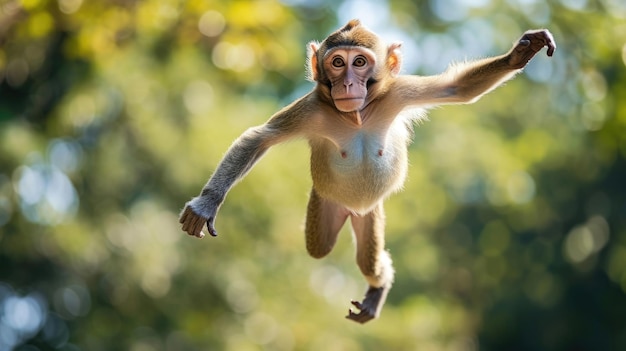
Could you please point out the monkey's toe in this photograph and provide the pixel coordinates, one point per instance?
(370, 307)
(364, 315)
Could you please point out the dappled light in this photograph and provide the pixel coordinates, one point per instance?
(510, 232)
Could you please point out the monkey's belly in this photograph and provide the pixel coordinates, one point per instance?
(359, 178)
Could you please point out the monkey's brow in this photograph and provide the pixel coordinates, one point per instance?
(346, 47)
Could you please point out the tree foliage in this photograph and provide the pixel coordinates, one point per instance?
(510, 233)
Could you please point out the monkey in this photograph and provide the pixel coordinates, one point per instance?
(358, 123)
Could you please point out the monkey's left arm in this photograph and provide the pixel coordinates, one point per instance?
(467, 82)
(237, 162)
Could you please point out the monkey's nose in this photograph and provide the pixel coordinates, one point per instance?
(347, 85)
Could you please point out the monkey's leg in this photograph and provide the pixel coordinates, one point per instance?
(374, 262)
(324, 219)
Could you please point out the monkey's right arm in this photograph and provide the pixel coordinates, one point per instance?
(239, 159)
(237, 162)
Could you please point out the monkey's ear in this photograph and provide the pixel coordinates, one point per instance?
(394, 58)
(312, 73)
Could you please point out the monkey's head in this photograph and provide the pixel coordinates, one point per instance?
(350, 63)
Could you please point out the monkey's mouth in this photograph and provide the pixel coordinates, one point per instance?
(349, 104)
(350, 99)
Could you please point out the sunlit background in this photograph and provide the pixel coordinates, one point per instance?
(510, 233)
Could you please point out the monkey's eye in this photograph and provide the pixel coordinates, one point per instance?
(337, 62)
(359, 61)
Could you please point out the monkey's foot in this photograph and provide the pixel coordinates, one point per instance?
(370, 307)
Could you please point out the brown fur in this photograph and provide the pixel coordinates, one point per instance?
(358, 156)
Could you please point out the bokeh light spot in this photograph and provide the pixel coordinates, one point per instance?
(212, 23)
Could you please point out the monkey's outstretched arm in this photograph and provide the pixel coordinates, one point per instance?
(237, 162)
(239, 159)
(466, 82)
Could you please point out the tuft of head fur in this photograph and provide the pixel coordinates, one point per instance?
(353, 34)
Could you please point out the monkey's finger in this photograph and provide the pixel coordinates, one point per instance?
(186, 222)
(196, 230)
(549, 42)
(551, 48)
(194, 225)
(199, 225)
(184, 215)
(189, 220)
(210, 227)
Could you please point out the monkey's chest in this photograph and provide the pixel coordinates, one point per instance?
(359, 172)
(365, 157)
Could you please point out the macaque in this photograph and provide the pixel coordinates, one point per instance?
(358, 120)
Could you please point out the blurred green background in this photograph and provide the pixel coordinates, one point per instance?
(510, 233)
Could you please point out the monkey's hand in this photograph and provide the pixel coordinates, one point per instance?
(371, 305)
(529, 44)
(193, 223)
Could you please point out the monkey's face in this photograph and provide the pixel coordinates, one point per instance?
(348, 69)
